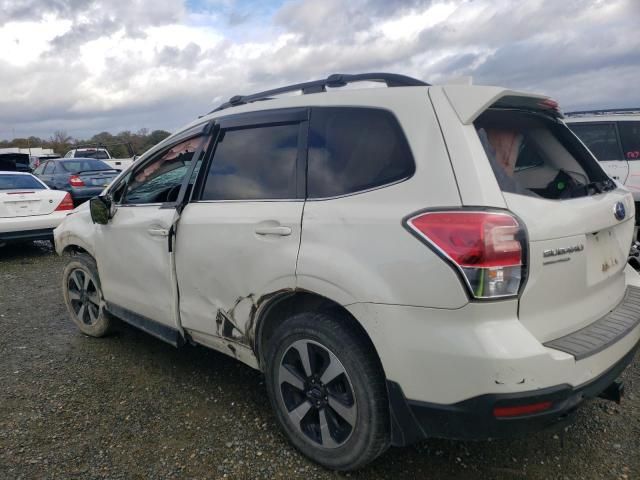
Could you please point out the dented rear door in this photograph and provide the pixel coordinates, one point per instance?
(238, 239)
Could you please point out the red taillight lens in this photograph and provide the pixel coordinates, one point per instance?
(519, 410)
(76, 181)
(484, 246)
(65, 204)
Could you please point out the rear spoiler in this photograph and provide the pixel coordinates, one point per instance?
(470, 101)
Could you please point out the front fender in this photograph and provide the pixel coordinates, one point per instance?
(77, 230)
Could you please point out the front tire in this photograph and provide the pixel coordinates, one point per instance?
(83, 296)
(328, 390)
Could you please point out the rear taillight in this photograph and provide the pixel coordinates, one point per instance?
(76, 181)
(65, 204)
(485, 247)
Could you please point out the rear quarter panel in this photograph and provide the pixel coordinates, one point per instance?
(355, 249)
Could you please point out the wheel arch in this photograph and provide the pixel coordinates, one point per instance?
(286, 304)
(68, 243)
(73, 249)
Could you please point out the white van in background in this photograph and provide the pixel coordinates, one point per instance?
(613, 136)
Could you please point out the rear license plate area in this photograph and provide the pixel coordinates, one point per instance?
(605, 257)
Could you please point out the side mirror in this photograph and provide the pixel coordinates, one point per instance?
(100, 208)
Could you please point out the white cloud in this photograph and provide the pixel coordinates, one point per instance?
(410, 25)
(87, 66)
(23, 41)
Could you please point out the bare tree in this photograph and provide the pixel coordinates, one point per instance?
(60, 141)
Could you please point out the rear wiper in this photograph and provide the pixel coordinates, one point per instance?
(600, 187)
(588, 189)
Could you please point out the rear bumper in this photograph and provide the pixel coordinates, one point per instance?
(473, 419)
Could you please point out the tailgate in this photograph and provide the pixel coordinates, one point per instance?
(577, 254)
(97, 178)
(511, 150)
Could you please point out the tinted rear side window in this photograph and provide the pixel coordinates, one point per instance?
(600, 138)
(355, 149)
(256, 163)
(630, 138)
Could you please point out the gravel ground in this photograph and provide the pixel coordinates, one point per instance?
(129, 406)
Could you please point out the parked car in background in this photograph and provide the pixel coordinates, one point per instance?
(402, 263)
(83, 178)
(29, 210)
(36, 160)
(102, 153)
(18, 162)
(613, 136)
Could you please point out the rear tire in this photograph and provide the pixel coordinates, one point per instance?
(328, 390)
(82, 294)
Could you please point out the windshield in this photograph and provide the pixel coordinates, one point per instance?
(92, 153)
(84, 165)
(535, 155)
(17, 182)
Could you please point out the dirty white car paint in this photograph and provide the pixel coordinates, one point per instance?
(211, 271)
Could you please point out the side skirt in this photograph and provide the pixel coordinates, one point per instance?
(164, 332)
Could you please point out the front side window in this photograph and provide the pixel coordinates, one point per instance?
(159, 180)
(600, 138)
(50, 168)
(355, 149)
(254, 163)
(630, 138)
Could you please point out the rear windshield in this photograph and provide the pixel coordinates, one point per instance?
(77, 166)
(533, 154)
(17, 182)
(99, 154)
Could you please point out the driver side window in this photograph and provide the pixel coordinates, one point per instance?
(159, 180)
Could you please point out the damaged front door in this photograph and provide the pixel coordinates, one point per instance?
(239, 237)
(135, 248)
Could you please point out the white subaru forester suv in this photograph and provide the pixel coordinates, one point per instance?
(402, 263)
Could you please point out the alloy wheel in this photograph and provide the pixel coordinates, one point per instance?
(84, 296)
(317, 394)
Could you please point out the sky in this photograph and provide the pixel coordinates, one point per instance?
(86, 66)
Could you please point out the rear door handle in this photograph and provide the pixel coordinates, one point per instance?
(282, 231)
(158, 232)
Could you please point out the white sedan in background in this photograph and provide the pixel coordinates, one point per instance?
(29, 210)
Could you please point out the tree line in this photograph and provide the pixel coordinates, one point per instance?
(61, 142)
